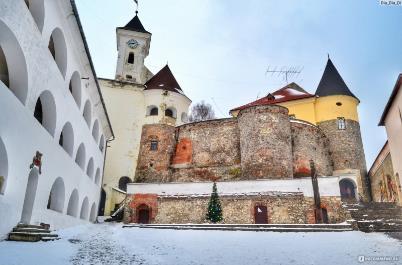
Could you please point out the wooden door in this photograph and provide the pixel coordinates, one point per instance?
(260, 214)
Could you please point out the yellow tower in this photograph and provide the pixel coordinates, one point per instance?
(336, 115)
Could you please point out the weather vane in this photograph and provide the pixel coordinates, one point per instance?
(136, 10)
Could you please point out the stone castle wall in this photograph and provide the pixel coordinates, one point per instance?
(265, 142)
(261, 143)
(289, 209)
(309, 142)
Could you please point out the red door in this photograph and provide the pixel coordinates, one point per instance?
(260, 214)
(143, 214)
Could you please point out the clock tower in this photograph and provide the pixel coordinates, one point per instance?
(133, 43)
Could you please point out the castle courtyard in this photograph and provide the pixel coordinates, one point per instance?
(112, 244)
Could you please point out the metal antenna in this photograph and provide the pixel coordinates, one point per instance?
(285, 71)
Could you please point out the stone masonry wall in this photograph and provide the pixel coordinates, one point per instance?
(265, 142)
(290, 209)
(346, 149)
(154, 165)
(208, 150)
(309, 142)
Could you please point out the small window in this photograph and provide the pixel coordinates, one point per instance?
(130, 59)
(341, 123)
(339, 104)
(169, 113)
(154, 112)
(129, 76)
(154, 145)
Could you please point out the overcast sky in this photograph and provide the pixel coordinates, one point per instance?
(220, 50)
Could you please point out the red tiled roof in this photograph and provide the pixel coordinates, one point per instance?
(290, 92)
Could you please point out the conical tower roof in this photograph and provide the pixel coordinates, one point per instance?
(164, 80)
(135, 25)
(332, 83)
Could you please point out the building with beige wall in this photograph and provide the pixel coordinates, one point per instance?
(392, 120)
(134, 98)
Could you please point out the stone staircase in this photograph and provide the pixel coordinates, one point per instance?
(31, 233)
(375, 216)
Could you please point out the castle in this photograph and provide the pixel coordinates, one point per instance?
(260, 159)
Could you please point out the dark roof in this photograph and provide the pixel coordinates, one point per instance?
(164, 80)
(332, 83)
(135, 25)
(289, 92)
(84, 40)
(397, 86)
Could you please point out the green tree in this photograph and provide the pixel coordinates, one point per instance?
(214, 213)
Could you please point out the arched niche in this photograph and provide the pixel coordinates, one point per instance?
(57, 196)
(97, 176)
(75, 88)
(72, 208)
(95, 131)
(152, 110)
(123, 181)
(45, 111)
(171, 112)
(92, 216)
(80, 158)
(90, 168)
(58, 49)
(66, 139)
(87, 113)
(84, 209)
(102, 143)
(13, 67)
(37, 9)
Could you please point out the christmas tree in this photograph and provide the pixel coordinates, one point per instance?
(214, 213)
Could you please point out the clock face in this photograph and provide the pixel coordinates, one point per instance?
(132, 44)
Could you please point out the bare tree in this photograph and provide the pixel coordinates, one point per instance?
(201, 111)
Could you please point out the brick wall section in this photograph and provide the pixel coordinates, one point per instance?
(153, 166)
(346, 149)
(309, 142)
(135, 201)
(265, 142)
(290, 209)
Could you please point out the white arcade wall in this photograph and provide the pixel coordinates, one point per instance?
(45, 69)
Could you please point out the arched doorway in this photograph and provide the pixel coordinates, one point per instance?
(348, 190)
(57, 196)
(143, 214)
(30, 195)
(260, 214)
(102, 202)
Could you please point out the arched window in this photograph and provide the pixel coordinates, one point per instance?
(87, 113)
(45, 111)
(90, 168)
(3, 167)
(130, 58)
(13, 67)
(95, 131)
(80, 157)
(75, 88)
(58, 48)
(170, 112)
(123, 181)
(57, 196)
(72, 208)
(102, 143)
(84, 209)
(97, 176)
(67, 139)
(152, 110)
(92, 216)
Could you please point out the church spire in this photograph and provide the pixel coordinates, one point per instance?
(135, 25)
(332, 83)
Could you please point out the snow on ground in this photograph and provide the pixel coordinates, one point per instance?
(111, 244)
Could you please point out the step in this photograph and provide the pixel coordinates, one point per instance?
(253, 225)
(30, 230)
(33, 234)
(29, 226)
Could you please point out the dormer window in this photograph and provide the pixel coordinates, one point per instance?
(130, 59)
(341, 123)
